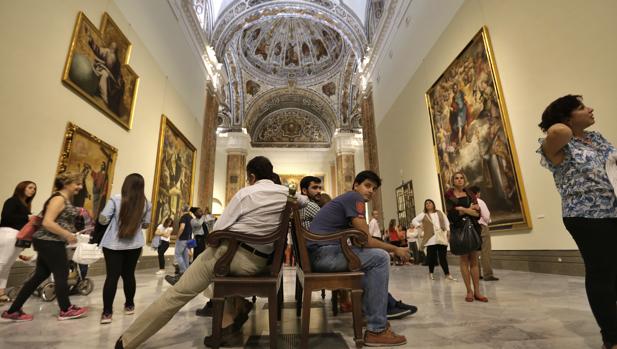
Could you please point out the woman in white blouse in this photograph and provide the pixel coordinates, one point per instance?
(434, 228)
(164, 230)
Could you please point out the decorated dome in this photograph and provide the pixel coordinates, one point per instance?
(291, 48)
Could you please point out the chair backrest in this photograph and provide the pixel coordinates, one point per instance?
(299, 242)
(279, 244)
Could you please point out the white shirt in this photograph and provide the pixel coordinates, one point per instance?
(256, 209)
(162, 230)
(417, 222)
(485, 214)
(412, 235)
(373, 228)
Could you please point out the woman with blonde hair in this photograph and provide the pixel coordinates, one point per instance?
(15, 214)
(126, 213)
(50, 242)
(435, 233)
(462, 206)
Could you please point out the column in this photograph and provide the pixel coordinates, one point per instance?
(371, 160)
(208, 151)
(345, 147)
(237, 145)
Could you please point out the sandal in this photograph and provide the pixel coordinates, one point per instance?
(469, 298)
(481, 298)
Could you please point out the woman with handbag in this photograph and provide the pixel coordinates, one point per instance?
(435, 232)
(123, 241)
(163, 231)
(50, 240)
(463, 213)
(15, 214)
(580, 162)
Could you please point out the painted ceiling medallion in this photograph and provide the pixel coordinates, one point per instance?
(291, 48)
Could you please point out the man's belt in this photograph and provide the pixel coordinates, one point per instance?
(254, 251)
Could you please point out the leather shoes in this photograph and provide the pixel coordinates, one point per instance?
(490, 278)
(206, 311)
(229, 337)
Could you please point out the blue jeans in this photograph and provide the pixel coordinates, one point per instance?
(182, 255)
(376, 268)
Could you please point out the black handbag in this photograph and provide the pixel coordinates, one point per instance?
(466, 239)
(100, 229)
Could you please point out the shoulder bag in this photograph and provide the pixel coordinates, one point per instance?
(465, 239)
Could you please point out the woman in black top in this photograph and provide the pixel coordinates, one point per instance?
(15, 214)
(461, 206)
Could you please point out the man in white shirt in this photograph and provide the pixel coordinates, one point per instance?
(256, 209)
(486, 268)
(373, 226)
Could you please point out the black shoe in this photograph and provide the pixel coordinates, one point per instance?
(172, 279)
(398, 313)
(206, 311)
(412, 308)
(119, 344)
(490, 278)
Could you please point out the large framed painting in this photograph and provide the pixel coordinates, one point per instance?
(405, 203)
(95, 160)
(471, 133)
(288, 179)
(97, 69)
(174, 174)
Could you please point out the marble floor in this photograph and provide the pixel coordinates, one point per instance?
(526, 310)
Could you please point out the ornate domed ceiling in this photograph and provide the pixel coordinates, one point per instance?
(291, 48)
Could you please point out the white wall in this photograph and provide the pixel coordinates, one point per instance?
(543, 50)
(36, 106)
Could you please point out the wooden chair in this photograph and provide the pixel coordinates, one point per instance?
(267, 285)
(310, 281)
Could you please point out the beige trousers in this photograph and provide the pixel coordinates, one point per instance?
(195, 280)
(486, 268)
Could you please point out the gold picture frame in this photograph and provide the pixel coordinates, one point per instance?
(97, 69)
(471, 133)
(84, 153)
(174, 174)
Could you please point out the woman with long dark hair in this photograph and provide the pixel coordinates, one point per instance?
(432, 222)
(15, 214)
(164, 230)
(122, 243)
(50, 241)
(578, 158)
(393, 233)
(462, 206)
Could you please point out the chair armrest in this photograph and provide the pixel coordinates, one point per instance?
(357, 237)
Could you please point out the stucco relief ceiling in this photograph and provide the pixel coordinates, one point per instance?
(290, 55)
(291, 128)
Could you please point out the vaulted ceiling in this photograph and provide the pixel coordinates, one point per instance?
(290, 65)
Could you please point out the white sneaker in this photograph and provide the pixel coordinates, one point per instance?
(160, 272)
(450, 277)
(430, 275)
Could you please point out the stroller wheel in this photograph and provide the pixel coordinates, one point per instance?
(48, 292)
(13, 292)
(85, 286)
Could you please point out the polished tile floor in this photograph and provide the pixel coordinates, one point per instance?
(526, 310)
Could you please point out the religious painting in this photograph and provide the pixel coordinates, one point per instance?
(288, 179)
(97, 69)
(471, 133)
(174, 175)
(405, 204)
(95, 160)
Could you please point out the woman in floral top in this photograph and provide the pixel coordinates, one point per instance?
(577, 159)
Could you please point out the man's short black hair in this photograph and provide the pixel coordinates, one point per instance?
(260, 167)
(306, 181)
(559, 110)
(370, 175)
(474, 189)
(276, 178)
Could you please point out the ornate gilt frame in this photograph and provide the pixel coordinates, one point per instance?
(166, 123)
(105, 22)
(67, 146)
(526, 223)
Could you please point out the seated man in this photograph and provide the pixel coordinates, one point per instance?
(343, 212)
(257, 209)
(311, 187)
